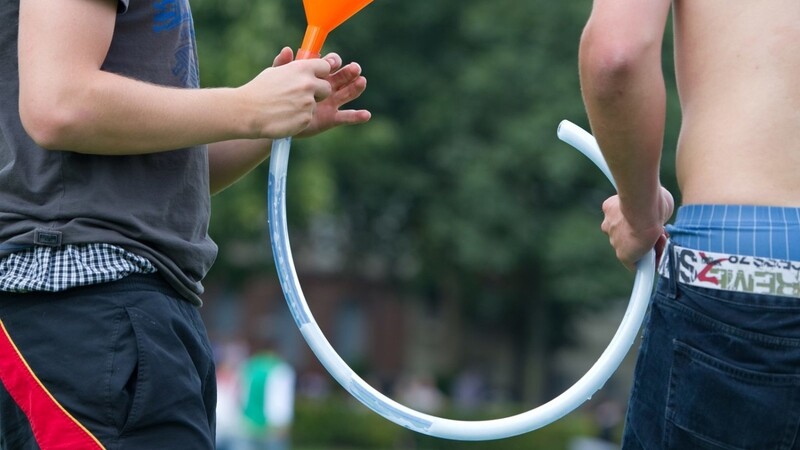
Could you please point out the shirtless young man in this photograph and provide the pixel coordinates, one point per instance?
(719, 365)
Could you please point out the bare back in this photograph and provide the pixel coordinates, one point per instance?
(738, 69)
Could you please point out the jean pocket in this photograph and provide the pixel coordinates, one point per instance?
(714, 404)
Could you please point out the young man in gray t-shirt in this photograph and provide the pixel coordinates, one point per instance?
(108, 155)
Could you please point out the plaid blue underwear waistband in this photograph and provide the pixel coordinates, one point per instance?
(760, 231)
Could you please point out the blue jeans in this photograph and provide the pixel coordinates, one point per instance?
(716, 370)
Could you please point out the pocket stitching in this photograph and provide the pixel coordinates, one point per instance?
(110, 367)
(766, 339)
(140, 385)
(719, 365)
(727, 369)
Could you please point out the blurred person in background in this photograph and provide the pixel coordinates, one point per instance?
(719, 364)
(419, 391)
(268, 396)
(230, 357)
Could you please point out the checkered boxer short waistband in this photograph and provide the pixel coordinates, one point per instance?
(737, 273)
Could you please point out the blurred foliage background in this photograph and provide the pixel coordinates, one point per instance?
(458, 187)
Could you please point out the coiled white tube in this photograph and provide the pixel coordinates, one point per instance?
(536, 418)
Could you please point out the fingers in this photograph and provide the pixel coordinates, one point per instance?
(349, 92)
(345, 75)
(334, 60)
(345, 94)
(609, 208)
(345, 82)
(660, 245)
(321, 70)
(630, 243)
(631, 267)
(352, 117)
(284, 99)
(331, 83)
(285, 56)
(322, 91)
(668, 203)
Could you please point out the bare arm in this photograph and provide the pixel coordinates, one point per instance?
(624, 93)
(68, 103)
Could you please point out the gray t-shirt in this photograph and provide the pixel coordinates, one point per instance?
(156, 206)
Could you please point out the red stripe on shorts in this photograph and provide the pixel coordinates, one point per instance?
(53, 427)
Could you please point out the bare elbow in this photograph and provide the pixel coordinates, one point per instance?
(48, 125)
(609, 63)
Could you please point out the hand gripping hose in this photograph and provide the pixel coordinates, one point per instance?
(536, 418)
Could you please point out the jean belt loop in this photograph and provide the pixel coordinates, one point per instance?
(672, 269)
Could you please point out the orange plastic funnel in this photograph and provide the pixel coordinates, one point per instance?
(322, 17)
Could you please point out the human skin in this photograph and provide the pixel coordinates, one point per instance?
(736, 67)
(67, 103)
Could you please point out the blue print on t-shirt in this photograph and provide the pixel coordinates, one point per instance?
(172, 14)
(169, 14)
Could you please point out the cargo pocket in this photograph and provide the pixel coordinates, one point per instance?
(713, 404)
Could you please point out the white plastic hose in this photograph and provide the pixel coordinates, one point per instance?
(483, 430)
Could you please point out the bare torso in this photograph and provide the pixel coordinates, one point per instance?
(738, 69)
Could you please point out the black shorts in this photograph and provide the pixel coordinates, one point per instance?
(121, 365)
